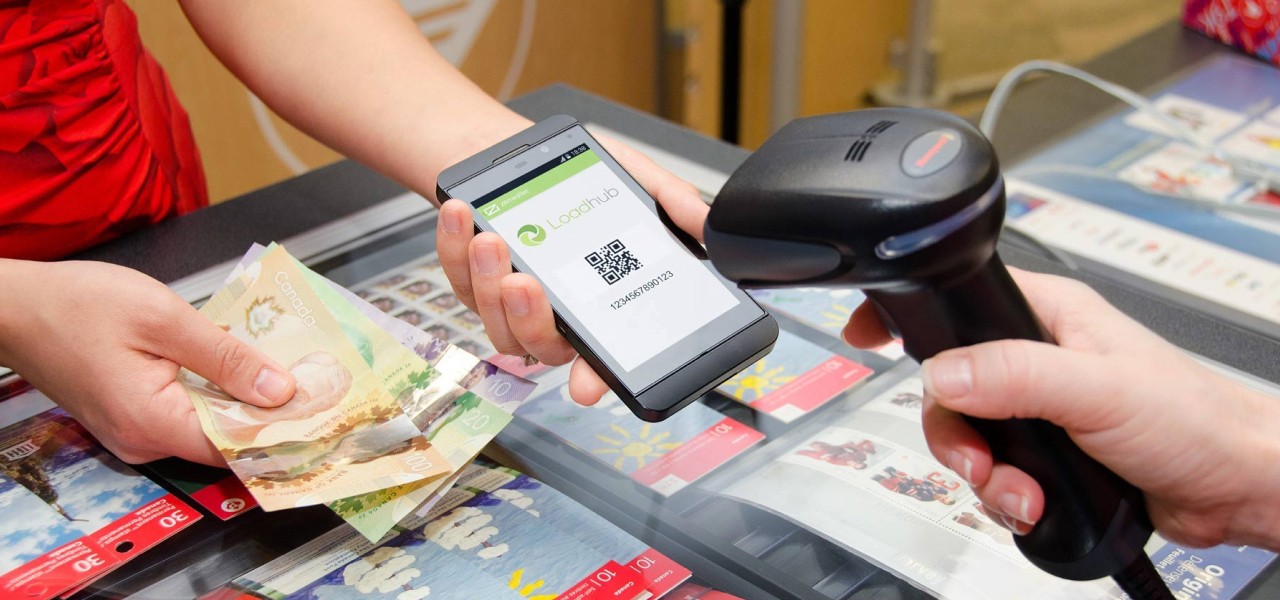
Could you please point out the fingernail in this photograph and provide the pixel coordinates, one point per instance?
(1014, 525)
(948, 376)
(271, 384)
(452, 221)
(486, 257)
(1019, 527)
(960, 464)
(516, 301)
(1015, 505)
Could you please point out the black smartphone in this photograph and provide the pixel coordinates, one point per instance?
(631, 292)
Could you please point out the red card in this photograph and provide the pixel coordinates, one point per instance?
(698, 456)
(94, 555)
(659, 573)
(610, 582)
(225, 498)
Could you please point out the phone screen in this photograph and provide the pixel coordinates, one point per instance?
(579, 224)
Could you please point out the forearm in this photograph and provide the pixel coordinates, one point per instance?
(358, 76)
(15, 276)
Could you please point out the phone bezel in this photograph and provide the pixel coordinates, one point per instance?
(719, 345)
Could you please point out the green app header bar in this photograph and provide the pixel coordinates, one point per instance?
(492, 209)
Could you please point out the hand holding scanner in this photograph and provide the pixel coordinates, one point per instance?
(907, 204)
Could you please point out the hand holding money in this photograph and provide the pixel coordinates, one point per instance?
(107, 343)
(459, 401)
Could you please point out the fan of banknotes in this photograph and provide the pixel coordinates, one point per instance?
(384, 418)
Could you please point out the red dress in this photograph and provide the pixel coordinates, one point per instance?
(93, 142)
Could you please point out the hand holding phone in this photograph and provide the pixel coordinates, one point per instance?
(533, 332)
(516, 308)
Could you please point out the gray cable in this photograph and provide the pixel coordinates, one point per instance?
(1239, 166)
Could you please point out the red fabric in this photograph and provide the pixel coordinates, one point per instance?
(93, 142)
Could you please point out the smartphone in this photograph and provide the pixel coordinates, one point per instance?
(632, 293)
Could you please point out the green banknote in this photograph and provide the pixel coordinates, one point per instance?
(343, 434)
(461, 438)
(457, 422)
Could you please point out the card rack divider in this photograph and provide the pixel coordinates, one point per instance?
(811, 559)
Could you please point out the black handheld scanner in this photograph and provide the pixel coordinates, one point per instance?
(907, 204)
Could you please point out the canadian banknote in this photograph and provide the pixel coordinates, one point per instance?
(457, 421)
(343, 434)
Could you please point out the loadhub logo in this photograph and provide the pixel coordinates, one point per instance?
(581, 210)
(531, 235)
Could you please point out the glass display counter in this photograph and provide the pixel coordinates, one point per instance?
(805, 477)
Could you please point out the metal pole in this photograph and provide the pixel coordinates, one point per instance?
(731, 69)
(917, 79)
(788, 46)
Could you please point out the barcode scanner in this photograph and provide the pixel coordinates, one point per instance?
(907, 205)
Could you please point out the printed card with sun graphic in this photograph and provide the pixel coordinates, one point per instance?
(665, 456)
(499, 535)
(824, 309)
(795, 378)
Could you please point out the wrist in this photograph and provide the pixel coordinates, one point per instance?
(474, 127)
(492, 126)
(1258, 523)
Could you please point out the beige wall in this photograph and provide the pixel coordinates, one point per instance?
(846, 48)
(989, 36)
(691, 63)
(609, 48)
(845, 53)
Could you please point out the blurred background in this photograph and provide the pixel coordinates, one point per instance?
(675, 58)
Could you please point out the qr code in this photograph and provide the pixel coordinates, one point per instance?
(613, 262)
